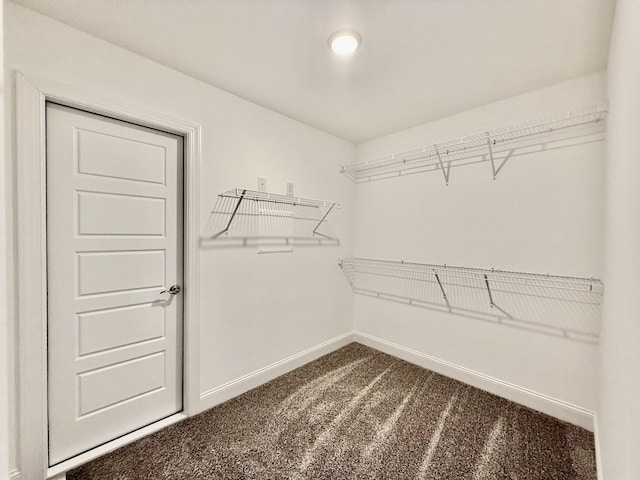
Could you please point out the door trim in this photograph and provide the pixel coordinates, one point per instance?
(32, 93)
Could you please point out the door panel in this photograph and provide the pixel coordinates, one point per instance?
(107, 272)
(114, 156)
(114, 241)
(111, 385)
(118, 327)
(101, 214)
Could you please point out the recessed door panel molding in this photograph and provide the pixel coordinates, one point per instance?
(117, 355)
(106, 272)
(103, 330)
(106, 185)
(120, 156)
(101, 214)
(114, 242)
(115, 384)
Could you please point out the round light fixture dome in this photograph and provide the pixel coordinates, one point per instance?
(345, 42)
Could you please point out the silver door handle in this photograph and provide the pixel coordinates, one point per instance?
(173, 290)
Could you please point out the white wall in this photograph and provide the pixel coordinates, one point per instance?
(542, 214)
(255, 309)
(618, 414)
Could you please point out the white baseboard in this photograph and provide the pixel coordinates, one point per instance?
(596, 439)
(524, 396)
(243, 384)
(15, 475)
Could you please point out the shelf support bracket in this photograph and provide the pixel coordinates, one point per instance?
(235, 210)
(444, 172)
(444, 295)
(493, 164)
(315, 230)
(486, 281)
(495, 170)
(491, 302)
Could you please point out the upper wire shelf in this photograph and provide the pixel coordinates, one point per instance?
(243, 193)
(243, 217)
(559, 305)
(495, 146)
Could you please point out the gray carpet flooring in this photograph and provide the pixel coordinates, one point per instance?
(358, 414)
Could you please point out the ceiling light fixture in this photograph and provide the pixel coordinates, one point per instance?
(345, 42)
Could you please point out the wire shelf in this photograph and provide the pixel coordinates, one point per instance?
(494, 146)
(243, 217)
(558, 305)
(243, 193)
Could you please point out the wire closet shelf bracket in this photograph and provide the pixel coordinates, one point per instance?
(551, 304)
(494, 146)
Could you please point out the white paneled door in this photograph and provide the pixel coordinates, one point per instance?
(114, 243)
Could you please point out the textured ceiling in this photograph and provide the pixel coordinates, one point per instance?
(420, 59)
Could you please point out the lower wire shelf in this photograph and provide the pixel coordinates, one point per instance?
(557, 305)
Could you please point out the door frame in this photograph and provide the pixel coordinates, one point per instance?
(32, 93)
